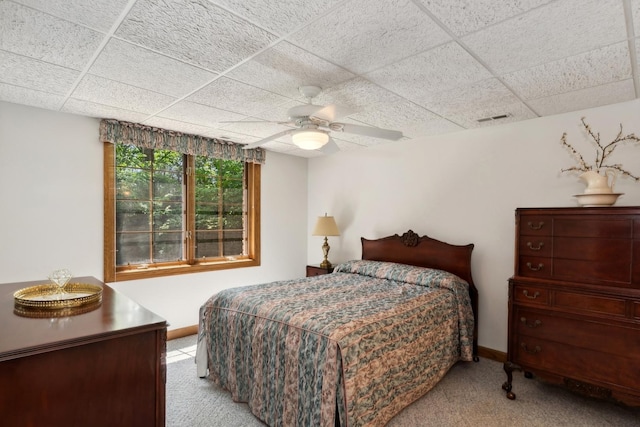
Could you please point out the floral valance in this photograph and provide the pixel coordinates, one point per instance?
(116, 131)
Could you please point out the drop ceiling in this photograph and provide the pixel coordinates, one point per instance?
(424, 67)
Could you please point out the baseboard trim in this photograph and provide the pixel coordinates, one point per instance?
(182, 332)
(489, 353)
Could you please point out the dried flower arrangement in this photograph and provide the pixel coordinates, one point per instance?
(602, 152)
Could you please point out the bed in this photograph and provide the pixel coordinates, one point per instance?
(350, 348)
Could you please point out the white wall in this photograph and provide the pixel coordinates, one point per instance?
(51, 214)
(464, 188)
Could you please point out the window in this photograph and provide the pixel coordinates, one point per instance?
(169, 213)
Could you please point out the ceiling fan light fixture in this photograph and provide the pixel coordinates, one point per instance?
(310, 139)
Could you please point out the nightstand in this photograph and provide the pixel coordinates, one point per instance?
(316, 270)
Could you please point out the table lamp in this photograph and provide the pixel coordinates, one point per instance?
(325, 226)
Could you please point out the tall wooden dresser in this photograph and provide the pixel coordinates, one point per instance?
(105, 367)
(574, 300)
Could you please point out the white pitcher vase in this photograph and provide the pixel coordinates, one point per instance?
(597, 183)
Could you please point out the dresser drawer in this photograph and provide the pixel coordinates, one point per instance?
(592, 226)
(577, 363)
(539, 246)
(530, 266)
(535, 225)
(591, 304)
(580, 333)
(530, 294)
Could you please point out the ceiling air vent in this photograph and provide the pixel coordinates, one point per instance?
(486, 119)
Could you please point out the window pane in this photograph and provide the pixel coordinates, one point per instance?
(233, 244)
(233, 195)
(167, 216)
(167, 186)
(167, 246)
(233, 221)
(132, 156)
(133, 248)
(132, 183)
(133, 216)
(207, 244)
(168, 161)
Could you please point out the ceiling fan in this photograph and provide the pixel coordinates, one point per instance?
(313, 124)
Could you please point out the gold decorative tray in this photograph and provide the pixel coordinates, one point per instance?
(49, 297)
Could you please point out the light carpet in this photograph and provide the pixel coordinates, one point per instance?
(470, 395)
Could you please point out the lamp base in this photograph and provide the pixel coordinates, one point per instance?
(325, 264)
(325, 250)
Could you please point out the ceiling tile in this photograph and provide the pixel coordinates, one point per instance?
(261, 130)
(193, 31)
(549, 33)
(515, 111)
(591, 97)
(396, 116)
(21, 95)
(365, 35)
(33, 74)
(279, 17)
(278, 113)
(357, 93)
(434, 126)
(435, 70)
(97, 14)
(485, 95)
(285, 67)
(136, 66)
(238, 97)
(120, 95)
(608, 64)
(178, 126)
(92, 109)
(463, 17)
(198, 114)
(50, 39)
(635, 15)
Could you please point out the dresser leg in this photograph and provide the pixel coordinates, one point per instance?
(508, 369)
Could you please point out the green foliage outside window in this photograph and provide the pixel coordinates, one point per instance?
(151, 206)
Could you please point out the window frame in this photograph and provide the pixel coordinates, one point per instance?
(114, 274)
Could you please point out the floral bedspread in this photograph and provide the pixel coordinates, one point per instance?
(367, 340)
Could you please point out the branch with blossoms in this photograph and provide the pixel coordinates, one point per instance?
(603, 151)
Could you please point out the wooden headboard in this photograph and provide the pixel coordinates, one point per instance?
(423, 251)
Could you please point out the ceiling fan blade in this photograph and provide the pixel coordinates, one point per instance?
(366, 131)
(330, 147)
(267, 139)
(332, 112)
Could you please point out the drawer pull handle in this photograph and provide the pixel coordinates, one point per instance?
(534, 296)
(535, 227)
(535, 267)
(531, 325)
(534, 350)
(535, 248)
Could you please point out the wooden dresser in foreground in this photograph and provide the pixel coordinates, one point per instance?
(105, 367)
(574, 300)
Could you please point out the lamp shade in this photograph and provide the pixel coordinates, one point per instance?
(326, 226)
(310, 139)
